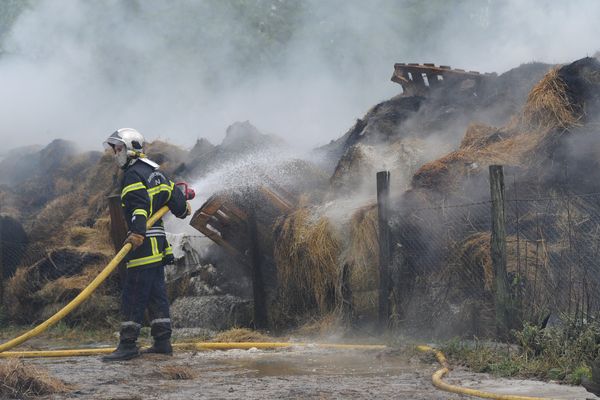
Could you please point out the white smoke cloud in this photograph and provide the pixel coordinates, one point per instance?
(179, 70)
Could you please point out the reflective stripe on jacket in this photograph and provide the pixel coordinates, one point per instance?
(145, 189)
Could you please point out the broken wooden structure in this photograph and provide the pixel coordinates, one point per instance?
(419, 79)
(241, 222)
(225, 216)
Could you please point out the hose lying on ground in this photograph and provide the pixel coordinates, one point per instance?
(437, 376)
(198, 346)
(85, 293)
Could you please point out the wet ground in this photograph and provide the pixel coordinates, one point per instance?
(303, 373)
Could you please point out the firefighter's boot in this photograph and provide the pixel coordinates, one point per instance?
(159, 347)
(127, 348)
(160, 330)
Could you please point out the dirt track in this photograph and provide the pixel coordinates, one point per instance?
(290, 374)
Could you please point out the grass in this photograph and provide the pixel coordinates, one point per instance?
(62, 332)
(23, 381)
(562, 354)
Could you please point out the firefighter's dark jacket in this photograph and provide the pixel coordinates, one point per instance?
(145, 190)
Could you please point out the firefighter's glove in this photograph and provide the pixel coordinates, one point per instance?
(135, 239)
(188, 208)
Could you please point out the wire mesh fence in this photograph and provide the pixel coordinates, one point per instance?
(555, 243)
(552, 258)
(442, 266)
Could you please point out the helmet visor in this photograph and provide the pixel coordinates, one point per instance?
(113, 140)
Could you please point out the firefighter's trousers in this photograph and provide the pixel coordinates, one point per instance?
(145, 288)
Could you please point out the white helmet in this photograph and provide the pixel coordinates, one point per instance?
(127, 144)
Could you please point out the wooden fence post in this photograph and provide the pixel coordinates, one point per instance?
(383, 200)
(260, 305)
(118, 230)
(498, 251)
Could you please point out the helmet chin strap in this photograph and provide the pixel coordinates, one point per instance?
(127, 158)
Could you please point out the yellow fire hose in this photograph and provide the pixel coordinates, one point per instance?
(437, 376)
(200, 346)
(85, 293)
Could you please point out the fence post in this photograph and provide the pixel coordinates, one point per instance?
(260, 306)
(498, 250)
(383, 200)
(118, 230)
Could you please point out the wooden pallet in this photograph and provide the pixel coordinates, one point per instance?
(419, 79)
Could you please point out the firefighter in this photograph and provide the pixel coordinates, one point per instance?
(145, 189)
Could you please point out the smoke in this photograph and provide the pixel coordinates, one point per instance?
(179, 70)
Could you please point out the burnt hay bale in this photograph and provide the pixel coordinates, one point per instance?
(49, 283)
(13, 242)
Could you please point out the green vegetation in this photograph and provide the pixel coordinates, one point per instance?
(61, 334)
(562, 353)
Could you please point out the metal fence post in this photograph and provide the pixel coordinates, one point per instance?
(383, 200)
(498, 250)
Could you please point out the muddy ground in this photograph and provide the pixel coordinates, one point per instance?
(299, 373)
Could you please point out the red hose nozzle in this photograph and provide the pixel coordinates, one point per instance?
(188, 192)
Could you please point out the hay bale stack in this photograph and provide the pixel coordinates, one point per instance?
(352, 168)
(307, 253)
(9, 203)
(13, 243)
(94, 239)
(35, 291)
(480, 135)
(362, 260)
(102, 181)
(549, 105)
(319, 251)
(51, 224)
(556, 104)
(471, 268)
